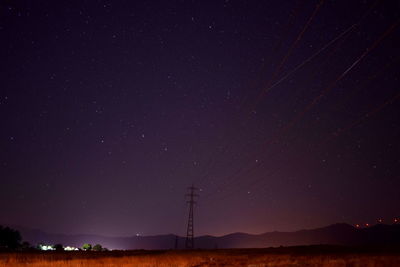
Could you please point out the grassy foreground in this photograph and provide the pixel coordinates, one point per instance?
(233, 257)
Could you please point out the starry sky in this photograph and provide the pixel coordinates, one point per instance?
(285, 115)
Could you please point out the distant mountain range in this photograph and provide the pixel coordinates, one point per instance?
(336, 234)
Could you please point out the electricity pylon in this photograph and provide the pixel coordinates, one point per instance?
(190, 226)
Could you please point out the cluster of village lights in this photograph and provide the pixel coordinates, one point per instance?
(395, 221)
(51, 247)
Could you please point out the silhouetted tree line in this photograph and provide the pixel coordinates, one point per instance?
(10, 239)
(97, 247)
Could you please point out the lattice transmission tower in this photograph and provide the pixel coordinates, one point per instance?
(189, 244)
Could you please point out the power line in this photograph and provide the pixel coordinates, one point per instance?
(351, 28)
(289, 52)
(271, 86)
(364, 117)
(289, 125)
(212, 162)
(341, 76)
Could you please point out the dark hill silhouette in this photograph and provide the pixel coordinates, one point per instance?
(336, 234)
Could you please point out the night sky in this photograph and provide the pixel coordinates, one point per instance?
(285, 115)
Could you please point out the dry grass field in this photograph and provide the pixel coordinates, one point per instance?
(234, 257)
